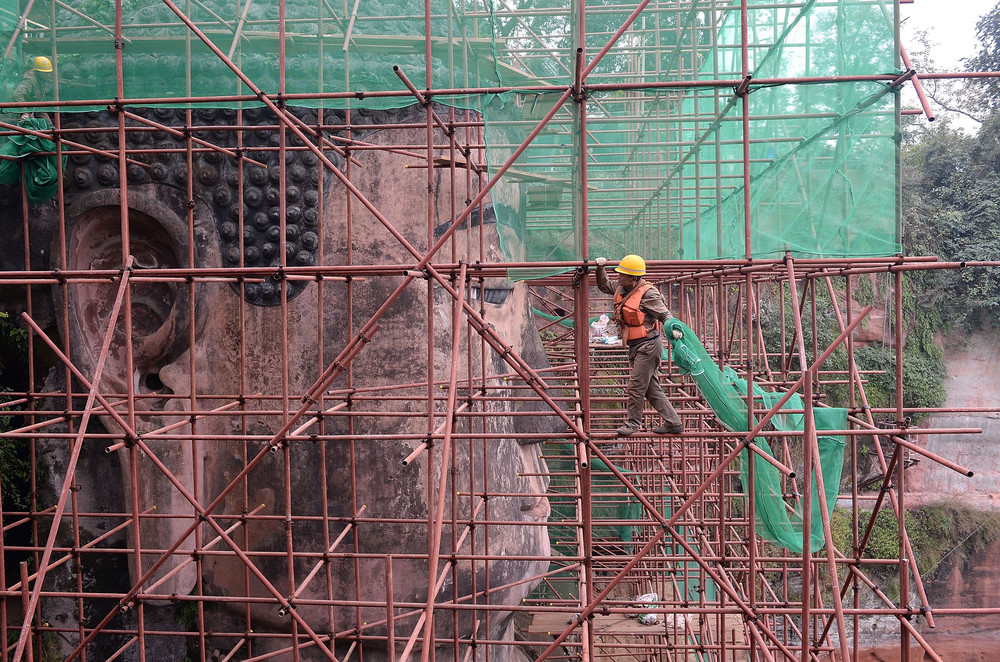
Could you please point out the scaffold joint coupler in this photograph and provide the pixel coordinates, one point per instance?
(743, 88)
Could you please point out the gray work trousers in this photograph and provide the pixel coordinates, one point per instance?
(644, 383)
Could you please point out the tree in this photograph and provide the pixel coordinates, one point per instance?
(953, 95)
(988, 57)
(951, 208)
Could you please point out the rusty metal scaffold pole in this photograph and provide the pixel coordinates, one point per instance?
(721, 590)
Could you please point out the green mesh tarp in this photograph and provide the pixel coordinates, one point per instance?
(777, 520)
(611, 503)
(665, 165)
(612, 507)
(21, 151)
(328, 47)
(563, 321)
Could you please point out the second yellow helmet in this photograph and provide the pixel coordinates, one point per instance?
(42, 63)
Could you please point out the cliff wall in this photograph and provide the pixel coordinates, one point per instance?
(973, 382)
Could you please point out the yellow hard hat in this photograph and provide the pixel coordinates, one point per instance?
(632, 265)
(42, 63)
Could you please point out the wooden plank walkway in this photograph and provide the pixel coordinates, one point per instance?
(617, 636)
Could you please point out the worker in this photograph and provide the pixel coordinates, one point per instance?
(35, 85)
(640, 311)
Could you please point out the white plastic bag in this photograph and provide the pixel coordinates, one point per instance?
(644, 600)
(598, 328)
(680, 621)
(604, 331)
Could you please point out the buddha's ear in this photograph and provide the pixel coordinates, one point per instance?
(158, 321)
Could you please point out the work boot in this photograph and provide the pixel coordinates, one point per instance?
(669, 429)
(627, 430)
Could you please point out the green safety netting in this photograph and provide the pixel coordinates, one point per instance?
(561, 320)
(611, 504)
(612, 507)
(778, 520)
(664, 166)
(22, 151)
(328, 47)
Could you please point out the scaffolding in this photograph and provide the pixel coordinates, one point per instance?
(309, 372)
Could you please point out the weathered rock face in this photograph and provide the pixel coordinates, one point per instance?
(961, 584)
(243, 344)
(973, 381)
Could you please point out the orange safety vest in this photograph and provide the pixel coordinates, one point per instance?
(628, 315)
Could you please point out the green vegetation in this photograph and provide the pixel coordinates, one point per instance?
(923, 367)
(923, 376)
(44, 648)
(13, 345)
(944, 536)
(951, 198)
(939, 532)
(987, 59)
(16, 474)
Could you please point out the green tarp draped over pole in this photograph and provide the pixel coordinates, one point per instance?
(41, 173)
(778, 521)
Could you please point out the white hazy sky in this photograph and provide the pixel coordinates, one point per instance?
(951, 31)
(950, 24)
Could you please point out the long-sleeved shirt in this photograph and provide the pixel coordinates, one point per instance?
(651, 302)
(31, 88)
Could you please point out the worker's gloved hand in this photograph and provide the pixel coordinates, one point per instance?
(601, 261)
(678, 334)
